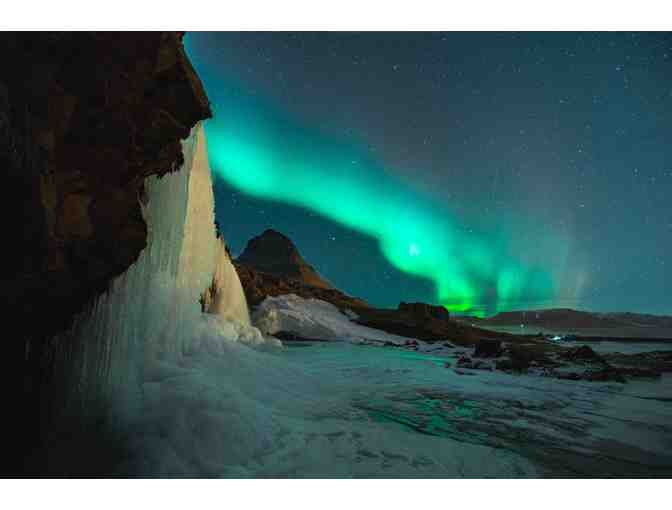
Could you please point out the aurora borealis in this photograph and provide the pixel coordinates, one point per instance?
(418, 235)
(484, 244)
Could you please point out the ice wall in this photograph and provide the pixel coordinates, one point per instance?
(226, 298)
(152, 312)
(173, 391)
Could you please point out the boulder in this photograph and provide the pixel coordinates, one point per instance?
(424, 311)
(582, 353)
(464, 361)
(488, 348)
(604, 374)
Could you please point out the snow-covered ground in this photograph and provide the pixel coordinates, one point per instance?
(314, 319)
(186, 393)
(336, 409)
(626, 347)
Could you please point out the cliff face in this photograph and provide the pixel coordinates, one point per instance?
(84, 119)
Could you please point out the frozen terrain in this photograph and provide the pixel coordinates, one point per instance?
(176, 392)
(314, 319)
(343, 410)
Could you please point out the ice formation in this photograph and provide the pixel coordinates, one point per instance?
(314, 319)
(189, 393)
(152, 312)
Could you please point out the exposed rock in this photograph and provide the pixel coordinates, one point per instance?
(274, 253)
(423, 311)
(425, 322)
(603, 374)
(463, 361)
(488, 348)
(570, 376)
(582, 353)
(259, 285)
(86, 117)
(656, 362)
(606, 373)
(525, 356)
(645, 373)
(466, 362)
(271, 265)
(507, 365)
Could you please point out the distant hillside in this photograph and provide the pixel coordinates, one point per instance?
(568, 320)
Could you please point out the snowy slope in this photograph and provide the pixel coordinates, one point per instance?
(314, 319)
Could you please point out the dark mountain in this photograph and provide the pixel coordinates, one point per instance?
(275, 254)
(271, 265)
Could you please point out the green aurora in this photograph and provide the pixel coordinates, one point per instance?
(264, 152)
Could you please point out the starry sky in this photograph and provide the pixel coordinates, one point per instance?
(482, 171)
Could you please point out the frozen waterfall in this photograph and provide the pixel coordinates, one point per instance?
(164, 376)
(151, 313)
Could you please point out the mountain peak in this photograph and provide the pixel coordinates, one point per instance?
(275, 253)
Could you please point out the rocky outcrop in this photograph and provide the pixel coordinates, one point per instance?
(488, 348)
(271, 265)
(581, 354)
(84, 119)
(424, 311)
(424, 322)
(274, 253)
(258, 285)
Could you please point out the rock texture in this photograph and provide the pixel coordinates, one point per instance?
(271, 265)
(84, 119)
(424, 311)
(424, 322)
(258, 285)
(275, 254)
(488, 348)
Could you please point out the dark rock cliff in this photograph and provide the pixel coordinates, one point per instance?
(84, 119)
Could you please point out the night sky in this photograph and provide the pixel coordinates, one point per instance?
(482, 171)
